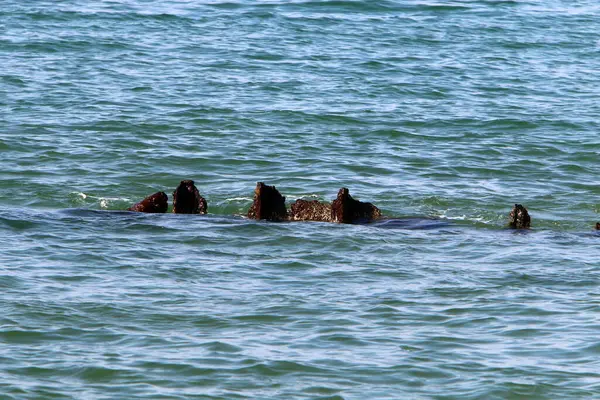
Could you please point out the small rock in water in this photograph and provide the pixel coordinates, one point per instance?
(187, 199)
(598, 226)
(155, 203)
(268, 204)
(305, 210)
(519, 218)
(347, 210)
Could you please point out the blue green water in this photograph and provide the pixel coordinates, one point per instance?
(450, 109)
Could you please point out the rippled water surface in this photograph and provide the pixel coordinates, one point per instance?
(449, 110)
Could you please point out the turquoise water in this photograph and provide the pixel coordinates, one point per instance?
(453, 110)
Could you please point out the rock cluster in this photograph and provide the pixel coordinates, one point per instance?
(268, 204)
(186, 200)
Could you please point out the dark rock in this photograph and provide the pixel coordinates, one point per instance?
(519, 218)
(598, 226)
(187, 199)
(268, 204)
(305, 210)
(347, 210)
(155, 203)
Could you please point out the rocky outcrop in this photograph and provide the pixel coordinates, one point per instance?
(187, 199)
(313, 210)
(344, 209)
(268, 204)
(347, 210)
(519, 218)
(155, 203)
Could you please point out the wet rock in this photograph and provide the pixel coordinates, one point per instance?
(347, 210)
(519, 218)
(268, 204)
(187, 199)
(598, 226)
(305, 210)
(155, 203)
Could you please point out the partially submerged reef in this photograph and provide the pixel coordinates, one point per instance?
(519, 218)
(187, 199)
(310, 210)
(347, 210)
(268, 204)
(155, 203)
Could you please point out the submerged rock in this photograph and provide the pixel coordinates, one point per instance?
(519, 218)
(268, 204)
(155, 203)
(347, 210)
(187, 199)
(305, 210)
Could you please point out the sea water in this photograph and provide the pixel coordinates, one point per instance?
(447, 111)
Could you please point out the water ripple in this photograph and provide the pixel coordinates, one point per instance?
(444, 114)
